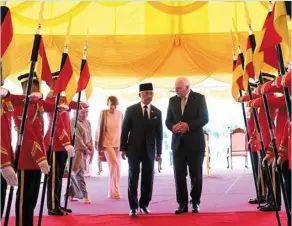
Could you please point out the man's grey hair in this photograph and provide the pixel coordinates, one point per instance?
(183, 80)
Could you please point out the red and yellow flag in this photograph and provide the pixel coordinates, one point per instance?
(271, 37)
(7, 43)
(84, 77)
(71, 88)
(43, 67)
(84, 82)
(67, 80)
(265, 58)
(281, 27)
(89, 89)
(249, 68)
(237, 79)
(64, 76)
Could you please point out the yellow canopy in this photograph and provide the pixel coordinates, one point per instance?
(132, 41)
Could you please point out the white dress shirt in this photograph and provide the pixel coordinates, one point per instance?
(186, 100)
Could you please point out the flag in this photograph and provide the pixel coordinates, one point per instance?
(43, 67)
(281, 27)
(89, 89)
(84, 76)
(65, 75)
(248, 69)
(71, 88)
(67, 80)
(7, 43)
(233, 65)
(84, 82)
(271, 37)
(237, 78)
(265, 59)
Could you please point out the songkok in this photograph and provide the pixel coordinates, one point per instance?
(145, 87)
(24, 77)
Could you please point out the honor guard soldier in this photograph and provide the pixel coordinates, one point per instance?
(62, 149)
(284, 160)
(8, 176)
(284, 146)
(32, 158)
(275, 103)
(256, 148)
(266, 140)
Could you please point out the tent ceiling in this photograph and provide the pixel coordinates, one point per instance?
(133, 41)
(131, 17)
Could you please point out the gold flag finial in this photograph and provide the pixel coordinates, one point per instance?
(4, 3)
(247, 17)
(67, 42)
(41, 18)
(236, 35)
(233, 46)
(85, 45)
(270, 6)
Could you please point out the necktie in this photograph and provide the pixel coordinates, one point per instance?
(183, 104)
(145, 113)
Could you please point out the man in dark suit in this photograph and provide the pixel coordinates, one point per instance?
(186, 115)
(141, 142)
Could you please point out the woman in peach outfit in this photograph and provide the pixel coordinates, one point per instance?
(107, 140)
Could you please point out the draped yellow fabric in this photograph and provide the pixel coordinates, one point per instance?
(93, 14)
(133, 41)
(122, 61)
(177, 10)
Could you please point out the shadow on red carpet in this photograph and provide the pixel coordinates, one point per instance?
(202, 219)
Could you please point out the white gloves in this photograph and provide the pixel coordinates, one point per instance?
(63, 107)
(280, 161)
(269, 159)
(35, 96)
(44, 166)
(9, 175)
(70, 149)
(3, 92)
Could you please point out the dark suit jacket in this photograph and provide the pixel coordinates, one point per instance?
(195, 115)
(136, 132)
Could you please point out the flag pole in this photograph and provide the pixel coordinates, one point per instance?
(262, 151)
(50, 149)
(282, 68)
(275, 151)
(75, 123)
(52, 133)
(34, 59)
(256, 118)
(282, 72)
(274, 147)
(246, 127)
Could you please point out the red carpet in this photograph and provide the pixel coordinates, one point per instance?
(224, 203)
(203, 219)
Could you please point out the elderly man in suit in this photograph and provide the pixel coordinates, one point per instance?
(141, 142)
(186, 115)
